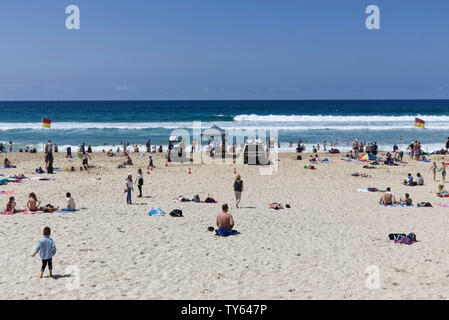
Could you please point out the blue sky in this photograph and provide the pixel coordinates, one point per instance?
(209, 49)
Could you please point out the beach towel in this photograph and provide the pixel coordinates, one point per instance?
(443, 205)
(445, 195)
(406, 205)
(65, 211)
(424, 204)
(33, 212)
(3, 181)
(4, 193)
(409, 239)
(156, 212)
(222, 232)
(388, 205)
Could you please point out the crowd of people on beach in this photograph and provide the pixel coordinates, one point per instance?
(224, 220)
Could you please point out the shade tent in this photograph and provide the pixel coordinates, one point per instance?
(368, 156)
(216, 131)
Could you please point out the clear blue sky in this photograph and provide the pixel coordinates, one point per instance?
(210, 49)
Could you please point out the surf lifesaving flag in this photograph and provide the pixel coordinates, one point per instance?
(46, 123)
(419, 123)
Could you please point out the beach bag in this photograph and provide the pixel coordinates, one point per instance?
(196, 198)
(176, 213)
(156, 212)
(298, 158)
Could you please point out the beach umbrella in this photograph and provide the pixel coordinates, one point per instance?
(368, 156)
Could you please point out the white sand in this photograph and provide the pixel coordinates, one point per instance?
(318, 249)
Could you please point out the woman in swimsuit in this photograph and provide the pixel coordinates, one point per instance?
(434, 169)
(33, 204)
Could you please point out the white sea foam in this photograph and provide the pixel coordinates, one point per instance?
(331, 118)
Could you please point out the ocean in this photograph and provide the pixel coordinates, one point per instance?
(103, 124)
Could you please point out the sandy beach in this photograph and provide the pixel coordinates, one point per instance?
(320, 248)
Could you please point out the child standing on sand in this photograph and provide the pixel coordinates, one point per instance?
(443, 171)
(434, 169)
(47, 249)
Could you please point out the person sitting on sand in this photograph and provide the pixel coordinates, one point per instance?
(11, 206)
(441, 192)
(419, 180)
(388, 198)
(8, 164)
(209, 199)
(224, 219)
(312, 159)
(110, 153)
(70, 202)
(275, 206)
(129, 162)
(33, 204)
(409, 180)
(407, 201)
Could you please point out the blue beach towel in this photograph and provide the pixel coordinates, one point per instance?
(156, 212)
(65, 211)
(222, 232)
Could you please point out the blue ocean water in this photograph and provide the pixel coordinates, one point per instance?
(106, 123)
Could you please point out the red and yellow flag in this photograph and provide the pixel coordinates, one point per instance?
(46, 123)
(419, 123)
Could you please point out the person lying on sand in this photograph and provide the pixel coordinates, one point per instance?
(11, 205)
(364, 175)
(407, 201)
(275, 206)
(388, 198)
(224, 219)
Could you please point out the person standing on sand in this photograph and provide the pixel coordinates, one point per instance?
(434, 169)
(443, 171)
(129, 188)
(238, 188)
(47, 249)
(447, 144)
(85, 158)
(139, 182)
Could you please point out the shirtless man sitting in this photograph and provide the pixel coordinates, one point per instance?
(388, 198)
(224, 219)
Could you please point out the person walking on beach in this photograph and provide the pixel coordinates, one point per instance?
(139, 182)
(434, 169)
(85, 158)
(443, 171)
(47, 249)
(10, 146)
(129, 188)
(238, 188)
